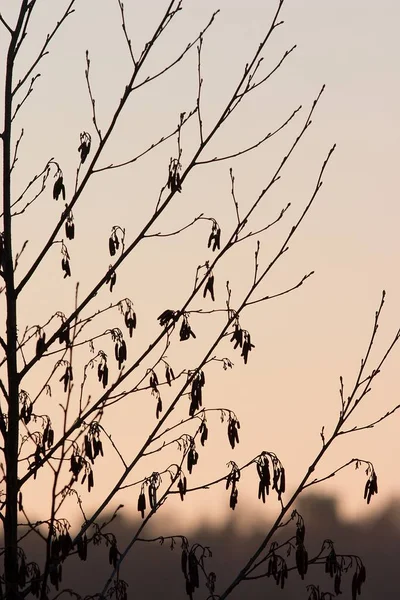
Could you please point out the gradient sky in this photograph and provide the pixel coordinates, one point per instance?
(304, 341)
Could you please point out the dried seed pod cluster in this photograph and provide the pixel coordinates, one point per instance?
(33, 572)
(301, 552)
(277, 568)
(371, 487)
(113, 241)
(241, 337)
(155, 392)
(81, 547)
(182, 486)
(192, 457)
(59, 187)
(70, 226)
(84, 148)
(264, 474)
(174, 178)
(185, 331)
(190, 570)
(102, 370)
(358, 579)
(78, 463)
(64, 334)
(233, 430)
(68, 376)
(153, 483)
(198, 382)
(113, 554)
(214, 241)
(209, 287)
(169, 374)
(120, 349)
(111, 277)
(130, 320)
(48, 435)
(92, 444)
(141, 505)
(231, 481)
(203, 430)
(40, 343)
(26, 408)
(167, 316)
(65, 261)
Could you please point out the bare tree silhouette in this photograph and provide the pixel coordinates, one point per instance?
(40, 354)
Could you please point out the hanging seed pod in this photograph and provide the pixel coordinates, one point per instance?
(233, 434)
(141, 504)
(88, 449)
(193, 570)
(153, 382)
(237, 337)
(40, 345)
(337, 584)
(111, 278)
(84, 148)
(111, 246)
(192, 459)
(152, 495)
(167, 316)
(82, 545)
(196, 392)
(63, 336)
(204, 433)
(182, 486)
(184, 560)
(300, 534)
(233, 497)
(185, 331)
(90, 480)
(59, 188)
(105, 375)
(122, 353)
(130, 321)
(113, 555)
(20, 505)
(159, 408)
(66, 267)
(215, 237)
(209, 287)
(301, 560)
(354, 586)
(174, 178)
(70, 227)
(247, 346)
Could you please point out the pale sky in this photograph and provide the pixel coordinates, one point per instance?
(304, 341)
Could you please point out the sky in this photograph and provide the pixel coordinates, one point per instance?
(303, 341)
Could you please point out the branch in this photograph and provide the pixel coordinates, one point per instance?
(44, 51)
(179, 57)
(350, 462)
(6, 25)
(128, 40)
(25, 98)
(256, 145)
(92, 100)
(282, 293)
(371, 425)
(15, 159)
(200, 217)
(160, 141)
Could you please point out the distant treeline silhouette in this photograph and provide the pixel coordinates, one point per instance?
(153, 571)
